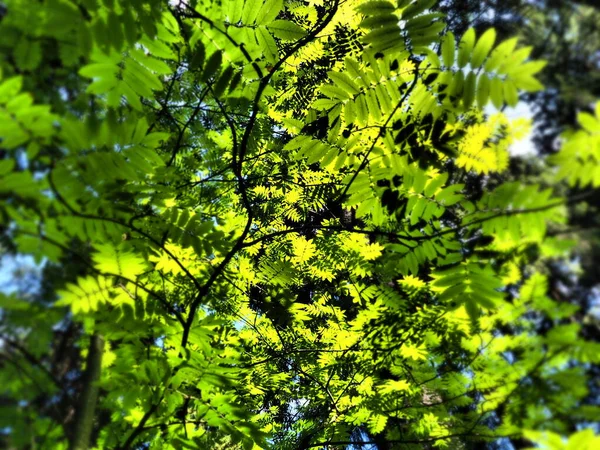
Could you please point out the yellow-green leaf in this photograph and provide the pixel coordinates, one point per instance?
(483, 47)
(465, 47)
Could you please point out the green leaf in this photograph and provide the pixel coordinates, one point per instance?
(384, 38)
(582, 439)
(143, 74)
(336, 92)
(223, 81)
(344, 81)
(198, 55)
(457, 86)
(465, 47)
(527, 83)
(384, 20)
(511, 94)
(496, 92)
(483, 90)
(155, 65)
(136, 83)
(129, 27)
(213, 65)
(115, 30)
(269, 11)
(268, 44)
(436, 183)
(118, 260)
(132, 97)
(483, 47)
(85, 296)
(469, 90)
(513, 63)
(251, 10)
(377, 423)
(500, 54)
(448, 49)
(286, 30)
(417, 8)
(233, 10)
(532, 67)
(589, 123)
(6, 166)
(99, 70)
(10, 87)
(28, 54)
(373, 8)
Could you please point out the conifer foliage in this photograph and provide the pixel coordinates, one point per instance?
(258, 230)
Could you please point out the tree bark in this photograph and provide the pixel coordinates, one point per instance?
(86, 410)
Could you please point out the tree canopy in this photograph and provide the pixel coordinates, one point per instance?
(287, 224)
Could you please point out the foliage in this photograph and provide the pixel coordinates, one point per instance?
(564, 33)
(263, 209)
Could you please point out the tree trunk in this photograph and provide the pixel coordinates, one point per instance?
(86, 410)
